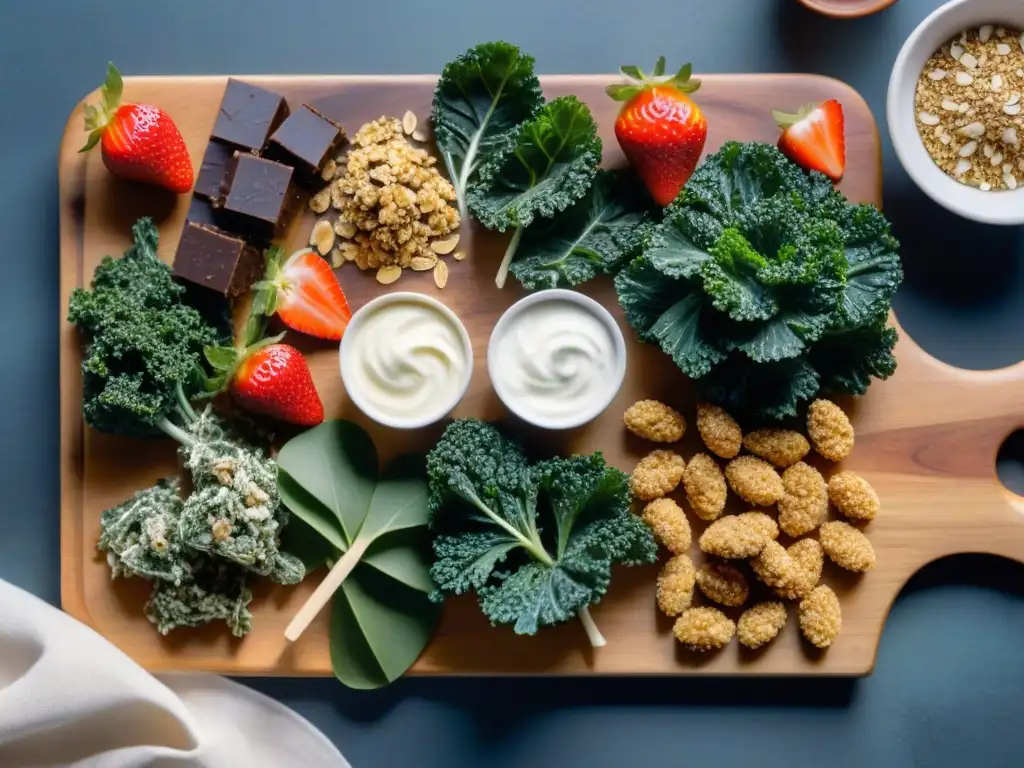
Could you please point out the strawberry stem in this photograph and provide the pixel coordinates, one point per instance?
(788, 119)
(639, 81)
(97, 117)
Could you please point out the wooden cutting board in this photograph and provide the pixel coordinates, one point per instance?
(927, 439)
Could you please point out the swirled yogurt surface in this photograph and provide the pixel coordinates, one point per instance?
(556, 360)
(405, 360)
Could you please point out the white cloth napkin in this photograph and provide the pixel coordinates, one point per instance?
(70, 698)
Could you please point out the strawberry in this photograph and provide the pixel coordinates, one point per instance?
(138, 141)
(814, 138)
(304, 293)
(660, 129)
(266, 376)
(275, 381)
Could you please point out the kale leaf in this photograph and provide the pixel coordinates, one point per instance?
(766, 285)
(536, 543)
(547, 164)
(143, 344)
(480, 98)
(596, 236)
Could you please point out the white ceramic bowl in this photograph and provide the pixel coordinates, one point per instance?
(443, 407)
(994, 206)
(614, 382)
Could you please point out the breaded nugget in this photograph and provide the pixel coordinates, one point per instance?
(820, 617)
(804, 506)
(762, 522)
(723, 584)
(675, 585)
(853, 496)
(755, 480)
(760, 624)
(830, 430)
(847, 547)
(653, 420)
(777, 569)
(705, 487)
(719, 431)
(668, 522)
(657, 474)
(732, 538)
(704, 629)
(782, 447)
(808, 554)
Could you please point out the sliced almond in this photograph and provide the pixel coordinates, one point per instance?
(962, 167)
(956, 51)
(321, 201)
(945, 139)
(337, 257)
(1003, 49)
(1010, 180)
(988, 150)
(985, 32)
(1007, 167)
(345, 228)
(968, 149)
(973, 130)
(322, 237)
(969, 61)
(409, 122)
(328, 171)
(1011, 109)
(997, 82)
(1000, 32)
(997, 158)
(950, 106)
(459, 255)
(419, 135)
(962, 78)
(445, 245)
(423, 263)
(937, 74)
(440, 274)
(1014, 98)
(388, 275)
(985, 186)
(928, 118)
(1010, 136)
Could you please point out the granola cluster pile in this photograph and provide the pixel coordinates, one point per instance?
(394, 206)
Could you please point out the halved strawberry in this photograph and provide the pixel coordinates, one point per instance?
(304, 293)
(814, 138)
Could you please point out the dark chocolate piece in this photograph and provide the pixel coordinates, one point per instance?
(305, 141)
(200, 211)
(216, 260)
(248, 115)
(212, 171)
(259, 197)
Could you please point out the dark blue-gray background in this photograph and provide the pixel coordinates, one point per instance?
(946, 690)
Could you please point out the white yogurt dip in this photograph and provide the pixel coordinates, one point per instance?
(556, 359)
(406, 360)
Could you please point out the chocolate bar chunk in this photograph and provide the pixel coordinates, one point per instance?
(216, 260)
(305, 141)
(259, 197)
(201, 211)
(248, 115)
(212, 171)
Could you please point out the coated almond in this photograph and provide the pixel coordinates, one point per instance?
(322, 237)
(423, 263)
(440, 274)
(445, 245)
(388, 275)
(459, 255)
(409, 122)
(345, 228)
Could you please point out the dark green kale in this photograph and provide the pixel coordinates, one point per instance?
(535, 543)
(143, 345)
(766, 285)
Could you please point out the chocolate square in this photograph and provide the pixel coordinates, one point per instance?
(259, 197)
(201, 211)
(248, 115)
(212, 171)
(216, 260)
(305, 141)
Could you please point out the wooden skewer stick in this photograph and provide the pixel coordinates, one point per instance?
(325, 591)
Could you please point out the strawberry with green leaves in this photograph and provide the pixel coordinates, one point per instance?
(304, 293)
(814, 138)
(137, 141)
(267, 377)
(660, 129)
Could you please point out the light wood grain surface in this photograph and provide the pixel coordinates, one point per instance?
(927, 438)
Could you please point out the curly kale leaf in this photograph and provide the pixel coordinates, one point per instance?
(766, 285)
(480, 98)
(598, 235)
(215, 592)
(535, 543)
(547, 164)
(142, 344)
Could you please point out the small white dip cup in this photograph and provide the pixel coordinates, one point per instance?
(440, 409)
(612, 382)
